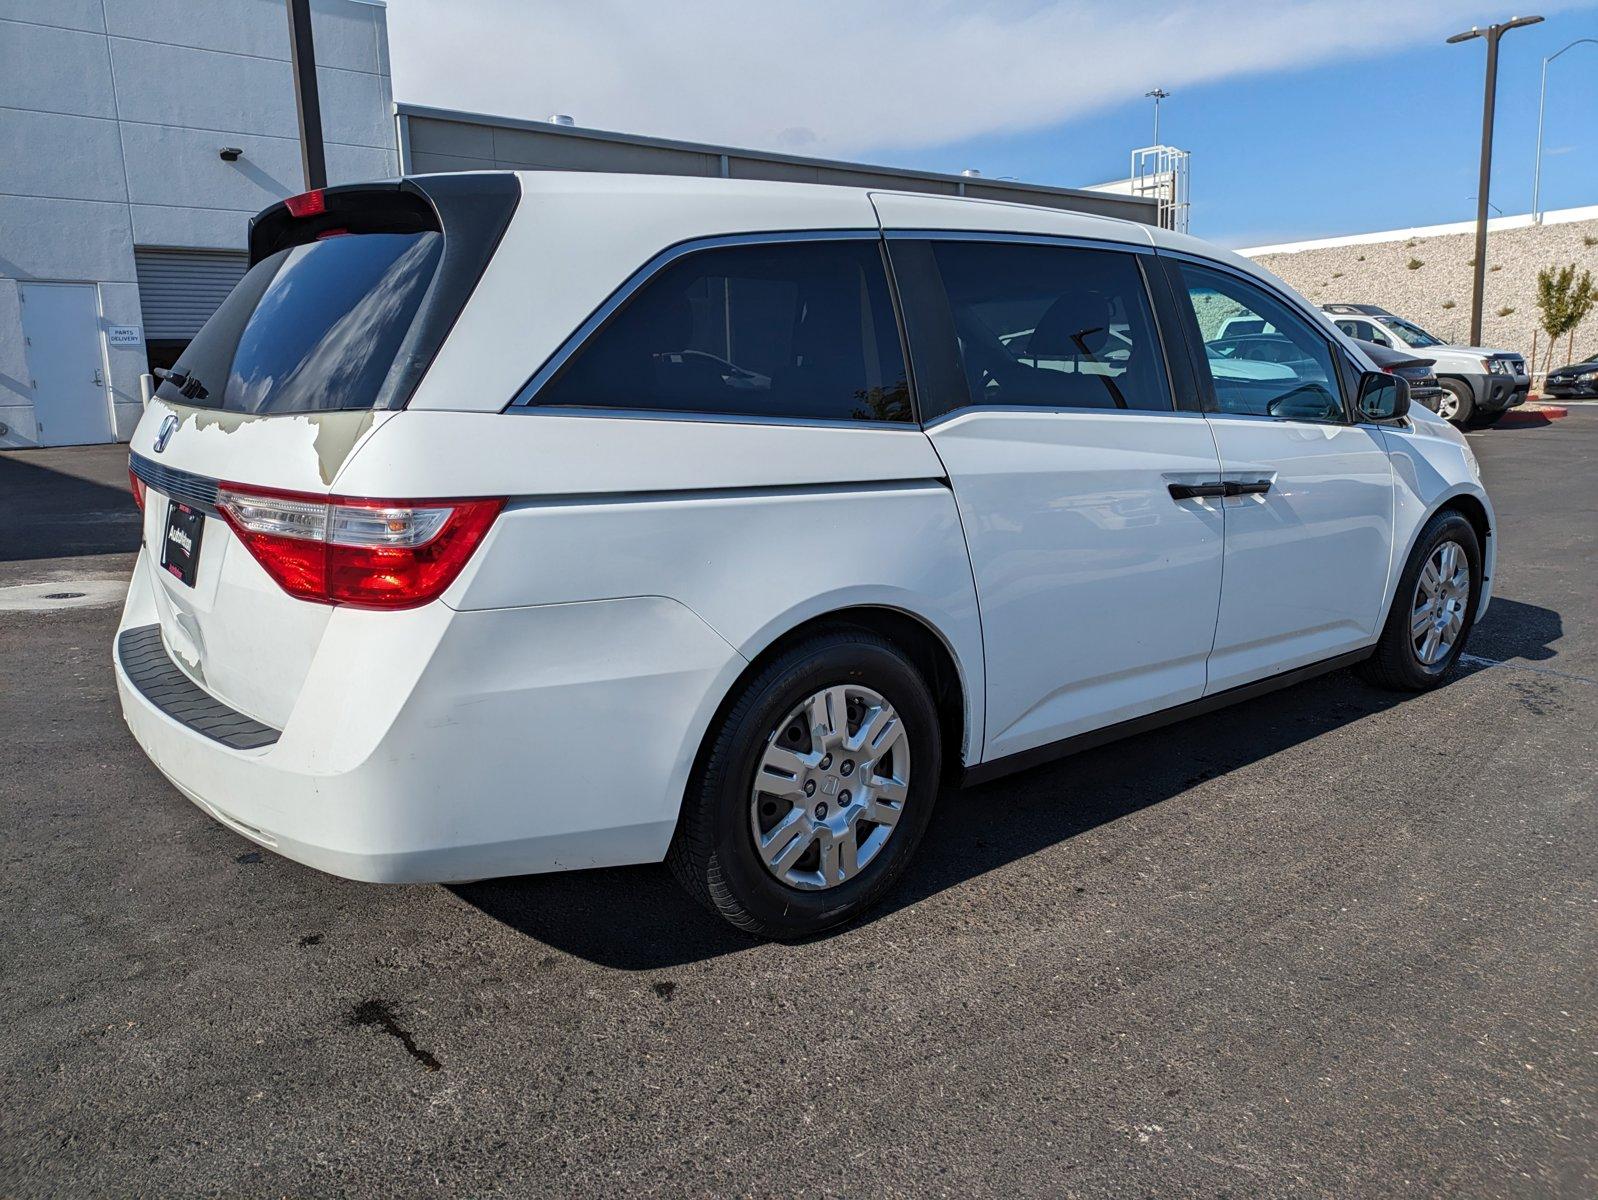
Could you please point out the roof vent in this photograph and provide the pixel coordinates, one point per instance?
(971, 173)
(562, 119)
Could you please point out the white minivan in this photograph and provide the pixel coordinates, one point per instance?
(501, 523)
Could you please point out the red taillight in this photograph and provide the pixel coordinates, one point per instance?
(307, 204)
(349, 550)
(136, 486)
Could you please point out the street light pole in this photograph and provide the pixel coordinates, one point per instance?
(1542, 101)
(1157, 95)
(306, 101)
(1492, 33)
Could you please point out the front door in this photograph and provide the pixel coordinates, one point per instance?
(61, 330)
(1097, 583)
(1309, 532)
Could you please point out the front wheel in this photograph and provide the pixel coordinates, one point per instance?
(1456, 404)
(815, 789)
(1434, 609)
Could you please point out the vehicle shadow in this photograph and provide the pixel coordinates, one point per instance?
(638, 919)
(66, 503)
(1512, 629)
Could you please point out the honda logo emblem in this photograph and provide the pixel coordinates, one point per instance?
(169, 426)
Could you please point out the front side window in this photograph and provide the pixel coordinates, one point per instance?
(1287, 372)
(787, 330)
(1053, 326)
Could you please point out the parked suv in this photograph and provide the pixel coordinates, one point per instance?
(500, 523)
(1479, 385)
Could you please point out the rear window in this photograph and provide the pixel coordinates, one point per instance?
(313, 328)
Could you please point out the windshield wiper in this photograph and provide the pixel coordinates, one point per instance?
(188, 384)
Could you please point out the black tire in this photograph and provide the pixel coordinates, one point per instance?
(1395, 664)
(1461, 393)
(713, 853)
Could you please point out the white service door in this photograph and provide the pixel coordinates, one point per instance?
(1309, 543)
(61, 328)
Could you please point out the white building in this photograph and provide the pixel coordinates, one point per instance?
(121, 224)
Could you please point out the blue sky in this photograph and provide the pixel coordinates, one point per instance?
(1305, 118)
(1340, 148)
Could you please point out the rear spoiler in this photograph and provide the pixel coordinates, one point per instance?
(472, 208)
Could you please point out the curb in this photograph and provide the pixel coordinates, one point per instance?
(1550, 412)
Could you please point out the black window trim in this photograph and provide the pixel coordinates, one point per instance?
(526, 398)
(1342, 362)
(1175, 393)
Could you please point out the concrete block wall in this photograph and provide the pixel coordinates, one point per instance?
(112, 113)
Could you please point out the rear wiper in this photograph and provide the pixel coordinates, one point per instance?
(188, 385)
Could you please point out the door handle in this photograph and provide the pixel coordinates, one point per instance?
(1195, 491)
(1257, 488)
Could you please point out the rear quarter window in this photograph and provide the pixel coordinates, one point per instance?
(794, 330)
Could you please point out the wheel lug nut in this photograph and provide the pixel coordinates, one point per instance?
(847, 767)
(826, 761)
(843, 797)
(810, 788)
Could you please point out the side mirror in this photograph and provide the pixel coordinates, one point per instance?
(1383, 397)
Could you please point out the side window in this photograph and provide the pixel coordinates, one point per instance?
(1286, 372)
(1053, 326)
(793, 329)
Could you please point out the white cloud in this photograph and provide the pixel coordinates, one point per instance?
(843, 79)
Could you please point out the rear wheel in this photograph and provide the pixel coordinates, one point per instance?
(815, 790)
(1434, 608)
(1456, 403)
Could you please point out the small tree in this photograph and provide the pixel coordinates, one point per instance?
(1563, 300)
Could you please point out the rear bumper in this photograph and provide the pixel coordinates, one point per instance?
(441, 746)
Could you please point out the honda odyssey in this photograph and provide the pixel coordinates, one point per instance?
(500, 523)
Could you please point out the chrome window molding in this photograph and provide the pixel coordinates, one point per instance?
(1059, 411)
(702, 417)
(527, 398)
(1029, 239)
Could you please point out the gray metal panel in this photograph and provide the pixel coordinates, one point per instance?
(441, 139)
(180, 289)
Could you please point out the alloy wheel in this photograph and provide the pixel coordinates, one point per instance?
(1437, 613)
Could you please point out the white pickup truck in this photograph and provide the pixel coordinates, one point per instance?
(1479, 385)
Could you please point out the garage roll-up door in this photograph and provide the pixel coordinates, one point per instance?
(179, 289)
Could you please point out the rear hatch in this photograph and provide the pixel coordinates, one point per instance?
(350, 293)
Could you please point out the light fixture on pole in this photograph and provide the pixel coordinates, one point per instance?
(1157, 95)
(1492, 33)
(1542, 100)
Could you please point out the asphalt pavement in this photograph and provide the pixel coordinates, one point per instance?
(1329, 942)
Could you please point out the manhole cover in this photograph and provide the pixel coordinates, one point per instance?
(64, 595)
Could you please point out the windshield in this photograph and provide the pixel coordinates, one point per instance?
(1411, 332)
(313, 328)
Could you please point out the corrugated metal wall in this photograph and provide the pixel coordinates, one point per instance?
(438, 140)
(180, 289)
